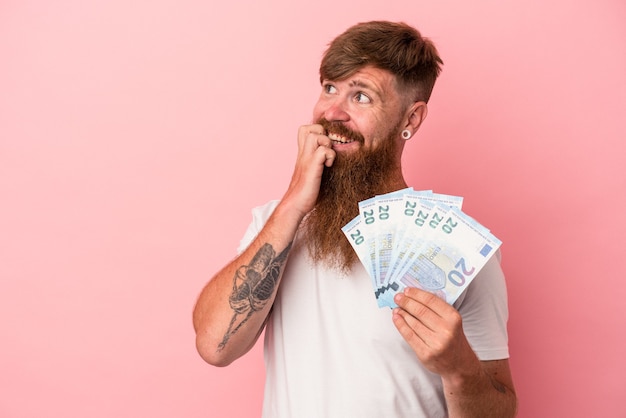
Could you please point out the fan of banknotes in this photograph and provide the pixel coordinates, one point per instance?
(421, 239)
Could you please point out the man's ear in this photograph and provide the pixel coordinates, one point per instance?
(415, 116)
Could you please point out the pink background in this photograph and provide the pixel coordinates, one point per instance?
(136, 136)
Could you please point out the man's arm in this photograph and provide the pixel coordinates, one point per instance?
(434, 330)
(233, 307)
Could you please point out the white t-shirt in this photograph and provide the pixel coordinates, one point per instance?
(331, 352)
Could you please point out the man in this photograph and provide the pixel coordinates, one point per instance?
(329, 350)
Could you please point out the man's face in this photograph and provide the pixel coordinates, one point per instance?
(361, 111)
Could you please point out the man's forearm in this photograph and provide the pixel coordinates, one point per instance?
(232, 309)
(254, 287)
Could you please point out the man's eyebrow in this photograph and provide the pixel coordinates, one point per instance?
(362, 84)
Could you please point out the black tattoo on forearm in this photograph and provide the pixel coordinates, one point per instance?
(253, 286)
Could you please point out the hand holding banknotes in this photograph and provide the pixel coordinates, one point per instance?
(421, 252)
(434, 331)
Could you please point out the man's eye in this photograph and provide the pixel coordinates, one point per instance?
(329, 88)
(362, 98)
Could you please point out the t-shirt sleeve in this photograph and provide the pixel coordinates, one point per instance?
(260, 215)
(485, 312)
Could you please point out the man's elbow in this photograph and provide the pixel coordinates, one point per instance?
(212, 353)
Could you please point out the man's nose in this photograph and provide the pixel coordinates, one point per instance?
(336, 111)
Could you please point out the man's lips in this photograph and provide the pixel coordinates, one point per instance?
(339, 138)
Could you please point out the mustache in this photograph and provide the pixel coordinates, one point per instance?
(340, 129)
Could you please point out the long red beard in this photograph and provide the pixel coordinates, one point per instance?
(351, 179)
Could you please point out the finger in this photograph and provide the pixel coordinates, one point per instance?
(323, 141)
(420, 308)
(322, 146)
(311, 141)
(305, 130)
(439, 306)
(318, 129)
(415, 324)
(325, 155)
(413, 332)
(330, 155)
